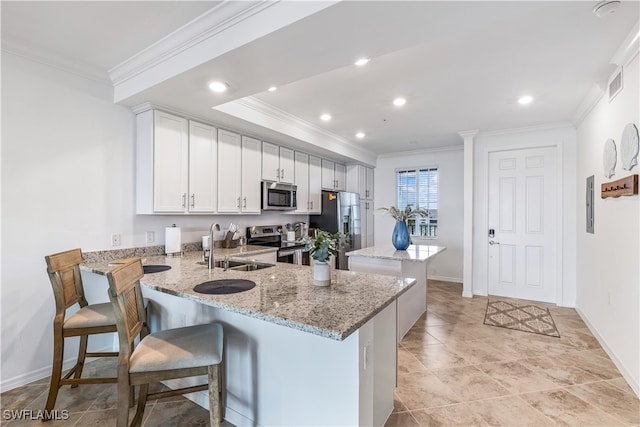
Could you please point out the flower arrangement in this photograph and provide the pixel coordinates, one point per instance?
(323, 245)
(407, 213)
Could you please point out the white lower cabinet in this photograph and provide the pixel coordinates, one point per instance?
(366, 223)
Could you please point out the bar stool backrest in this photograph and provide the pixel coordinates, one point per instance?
(64, 273)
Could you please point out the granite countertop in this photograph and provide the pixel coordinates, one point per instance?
(284, 294)
(414, 253)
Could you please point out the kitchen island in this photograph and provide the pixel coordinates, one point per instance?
(295, 353)
(385, 259)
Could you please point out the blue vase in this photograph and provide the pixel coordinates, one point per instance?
(400, 238)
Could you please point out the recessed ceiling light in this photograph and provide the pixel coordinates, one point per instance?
(399, 102)
(362, 61)
(360, 135)
(524, 100)
(218, 86)
(605, 7)
(325, 117)
(272, 89)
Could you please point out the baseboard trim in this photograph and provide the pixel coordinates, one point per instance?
(38, 374)
(444, 278)
(623, 370)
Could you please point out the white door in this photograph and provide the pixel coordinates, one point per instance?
(340, 174)
(170, 163)
(328, 178)
(315, 185)
(286, 165)
(302, 182)
(270, 162)
(522, 219)
(229, 164)
(250, 175)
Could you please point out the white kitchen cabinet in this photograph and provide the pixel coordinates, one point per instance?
(315, 185)
(238, 173)
(366, 223)
(360, 180)
(308, 179)
(301, 180)
(333, 175)
(203, 167)
(277, 163)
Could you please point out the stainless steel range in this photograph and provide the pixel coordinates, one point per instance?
(271, 235)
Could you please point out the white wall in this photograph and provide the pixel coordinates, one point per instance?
(607, 275)
(67, 182)
(562, 136)
(448, 264)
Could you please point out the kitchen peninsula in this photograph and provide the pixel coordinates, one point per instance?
(295, 353)
(385, 259)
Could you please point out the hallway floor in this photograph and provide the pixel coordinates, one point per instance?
(453, 370)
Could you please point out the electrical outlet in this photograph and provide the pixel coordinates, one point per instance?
(115, 239)
(150, 236)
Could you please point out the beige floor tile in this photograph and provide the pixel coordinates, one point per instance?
(417, 337)
(470, 383)
(478, 351)
(402, 419)
(566, 409)
(559, 371)
(509, 411)
(176, 413)
(461, 414)
(407, 362)
(623, 406)
(424, 390)
(448, 332)
(516, 378)
(436, 356)
(622, 384)
(398, 406)
(591, 362)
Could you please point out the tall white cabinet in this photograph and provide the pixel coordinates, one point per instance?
(360, 180)
(238, 173)
(175, 165)
(308, 179)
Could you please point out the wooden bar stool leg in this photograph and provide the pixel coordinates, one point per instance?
(56, 371)
(82, 353)
(124, 391)
(142, 401)
(214, 395)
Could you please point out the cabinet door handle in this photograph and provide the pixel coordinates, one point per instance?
(238, 204)
(282, 174)
(312, 204)
(184, 200)
(244, 202)
(193, 200)
(278, 173)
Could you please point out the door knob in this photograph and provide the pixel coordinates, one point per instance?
(491, 242)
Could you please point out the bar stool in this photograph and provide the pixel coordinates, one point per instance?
(64, 273)
(164, 355)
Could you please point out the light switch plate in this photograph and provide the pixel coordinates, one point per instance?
(115, 239)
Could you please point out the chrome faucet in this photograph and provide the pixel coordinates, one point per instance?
(214, 227)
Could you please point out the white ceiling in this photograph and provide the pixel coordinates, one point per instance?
(460, 65)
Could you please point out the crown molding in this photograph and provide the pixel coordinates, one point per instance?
(464, 134)
(441, 149)
(528, 129)
(589, 102)
(296, 127)
(214, 21)
(78, 68)
(629, 48)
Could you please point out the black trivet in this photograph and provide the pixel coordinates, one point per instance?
(224, 286)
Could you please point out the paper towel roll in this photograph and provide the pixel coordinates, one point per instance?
(172, 240)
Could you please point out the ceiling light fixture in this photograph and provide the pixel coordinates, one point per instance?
(362, 61)
(360, 135)
(272, 89)
(325, 117)
(605, 7)
(218, 86)
(398, 102)
(524, 100)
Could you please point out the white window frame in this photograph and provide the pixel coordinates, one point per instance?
(426, 228)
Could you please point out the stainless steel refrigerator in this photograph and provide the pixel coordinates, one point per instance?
(340, 212)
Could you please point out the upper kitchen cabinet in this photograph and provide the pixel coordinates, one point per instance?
(333, 175)
(360, 180)
(203, 168)
(162, 163)
(308, 179)
(238, 173)
(277, 163)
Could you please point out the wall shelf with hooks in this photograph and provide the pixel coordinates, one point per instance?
(627, 186)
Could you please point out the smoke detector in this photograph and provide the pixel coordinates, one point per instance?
(606, 7)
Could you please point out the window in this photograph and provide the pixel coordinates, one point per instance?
(419, 188)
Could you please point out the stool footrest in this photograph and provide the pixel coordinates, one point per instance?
(177, 392)
(98, 380)
(103, 354)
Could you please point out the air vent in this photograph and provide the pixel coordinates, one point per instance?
(615, 84)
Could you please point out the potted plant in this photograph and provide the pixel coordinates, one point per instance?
(321, 247)
(400, 237)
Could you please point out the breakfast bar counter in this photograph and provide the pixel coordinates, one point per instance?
(295, 353)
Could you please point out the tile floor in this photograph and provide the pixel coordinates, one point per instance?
(453, 370)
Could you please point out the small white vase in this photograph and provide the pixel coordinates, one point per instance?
(321, 273)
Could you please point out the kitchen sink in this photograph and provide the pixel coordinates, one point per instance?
(241, 265)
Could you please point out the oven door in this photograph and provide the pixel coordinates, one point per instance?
(293, 256)
(278, 197)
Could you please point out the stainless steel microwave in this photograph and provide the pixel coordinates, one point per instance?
(278, 197)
